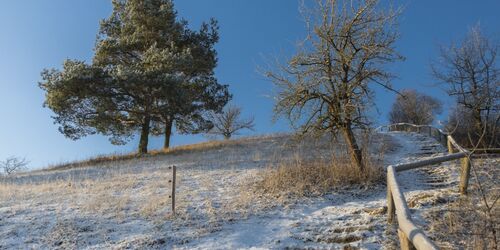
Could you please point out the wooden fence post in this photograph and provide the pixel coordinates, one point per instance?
(172, 196)
(450, 146)
(464, 175)
(405, 243)
(390, 206)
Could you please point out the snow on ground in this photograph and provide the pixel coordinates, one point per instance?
(126, 205)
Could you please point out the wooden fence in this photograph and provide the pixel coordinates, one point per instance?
(410, 236)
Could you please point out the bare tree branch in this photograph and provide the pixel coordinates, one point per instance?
(470, 71)
(327, 85)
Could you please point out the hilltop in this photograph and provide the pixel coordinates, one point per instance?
(125, 203)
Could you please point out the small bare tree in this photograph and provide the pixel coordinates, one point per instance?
(326, 86)
(228, 122)
(414, 107)
(13, 164)
(470, 71)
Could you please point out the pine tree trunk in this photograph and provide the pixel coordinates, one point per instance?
(168, 133)
(143, 142)
(355, 151)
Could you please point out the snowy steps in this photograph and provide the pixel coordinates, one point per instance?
(357, 225)
(341, 228)
(359, 220)
(433, 178)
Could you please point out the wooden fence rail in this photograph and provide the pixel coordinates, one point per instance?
(410, 236)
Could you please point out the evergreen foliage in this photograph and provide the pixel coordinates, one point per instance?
(149, 72)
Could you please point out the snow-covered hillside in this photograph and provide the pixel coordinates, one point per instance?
(126, 204)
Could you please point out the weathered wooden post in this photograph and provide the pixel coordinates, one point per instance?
(391, 212)
(172, 196)
(464, 175)
(449, 144)
(405, 243)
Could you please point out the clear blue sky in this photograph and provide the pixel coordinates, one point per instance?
(40, 34)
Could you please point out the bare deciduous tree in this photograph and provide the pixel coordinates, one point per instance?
(414, 107)
(228, 122)
(13, 164)
(326, 86)
(470, 71)
(461, 123)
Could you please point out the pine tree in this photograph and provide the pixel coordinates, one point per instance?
(149, 71)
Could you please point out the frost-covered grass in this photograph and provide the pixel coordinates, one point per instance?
(472, 221)
(219, 204)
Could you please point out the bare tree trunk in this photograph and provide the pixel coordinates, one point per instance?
(168, 133)
(478, 120)
(478, 127)
(143, 141)
(355, 151)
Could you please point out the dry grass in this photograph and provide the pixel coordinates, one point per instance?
(206, 198)
(203, 204)
(64, 235)
(191, 148)
(117, 195)
(146, 194)
(306, 178)
(472, 221)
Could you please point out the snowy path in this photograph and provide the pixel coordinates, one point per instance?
(331, 222)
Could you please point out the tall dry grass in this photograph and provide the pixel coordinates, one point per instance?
(299, 177)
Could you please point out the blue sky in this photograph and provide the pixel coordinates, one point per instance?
(41, 34)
